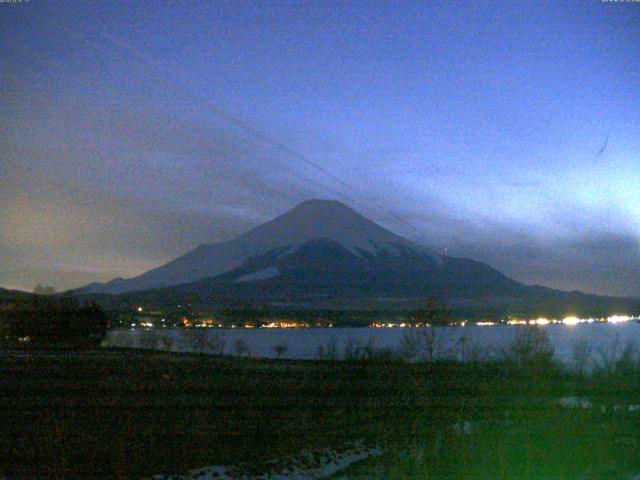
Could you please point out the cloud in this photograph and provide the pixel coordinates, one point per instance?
(78, 204)
(600, 262)
(98, 183)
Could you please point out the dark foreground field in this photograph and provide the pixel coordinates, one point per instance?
(126, 414)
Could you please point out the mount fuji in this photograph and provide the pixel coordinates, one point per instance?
(324, 254)
(319, 236)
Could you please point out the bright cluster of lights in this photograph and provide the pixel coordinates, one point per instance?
(390, 325)
(536, 321)
(572, 320)
(285, 324)
(541, 321)
(207, 323)
(517, 322)
(407, 325)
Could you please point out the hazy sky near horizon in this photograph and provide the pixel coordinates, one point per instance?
(508, 132)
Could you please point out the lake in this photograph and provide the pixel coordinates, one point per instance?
(604, 341)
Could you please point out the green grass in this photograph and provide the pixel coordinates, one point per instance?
(126, 414)
(550, 444)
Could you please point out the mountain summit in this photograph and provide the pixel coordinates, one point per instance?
(323, 219)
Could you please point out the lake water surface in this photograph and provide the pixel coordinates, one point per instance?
(602, 340)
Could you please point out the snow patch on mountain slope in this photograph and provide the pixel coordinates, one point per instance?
(263, 274)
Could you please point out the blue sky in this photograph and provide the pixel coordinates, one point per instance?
(504, 131)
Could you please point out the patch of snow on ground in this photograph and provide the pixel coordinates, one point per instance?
(574, 402)
(307, 465)
(465, 428)
(626, 408)
(585, 403)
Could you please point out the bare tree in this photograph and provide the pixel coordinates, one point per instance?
(424, 338)
(531, 345)
(463, 347)
(217, 343)
(240, 346)
(280, 349)
(420, 342)
(149, 338)
(196, 339)
(580, 354)
(616, 357)
(328, 351)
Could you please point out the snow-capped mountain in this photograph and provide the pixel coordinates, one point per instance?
(312, 220)
(323, 254)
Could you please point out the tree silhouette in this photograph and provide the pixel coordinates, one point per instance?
(434, 312)
(280, 349)
(423, 338)
(40, 289)
(46, 321)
